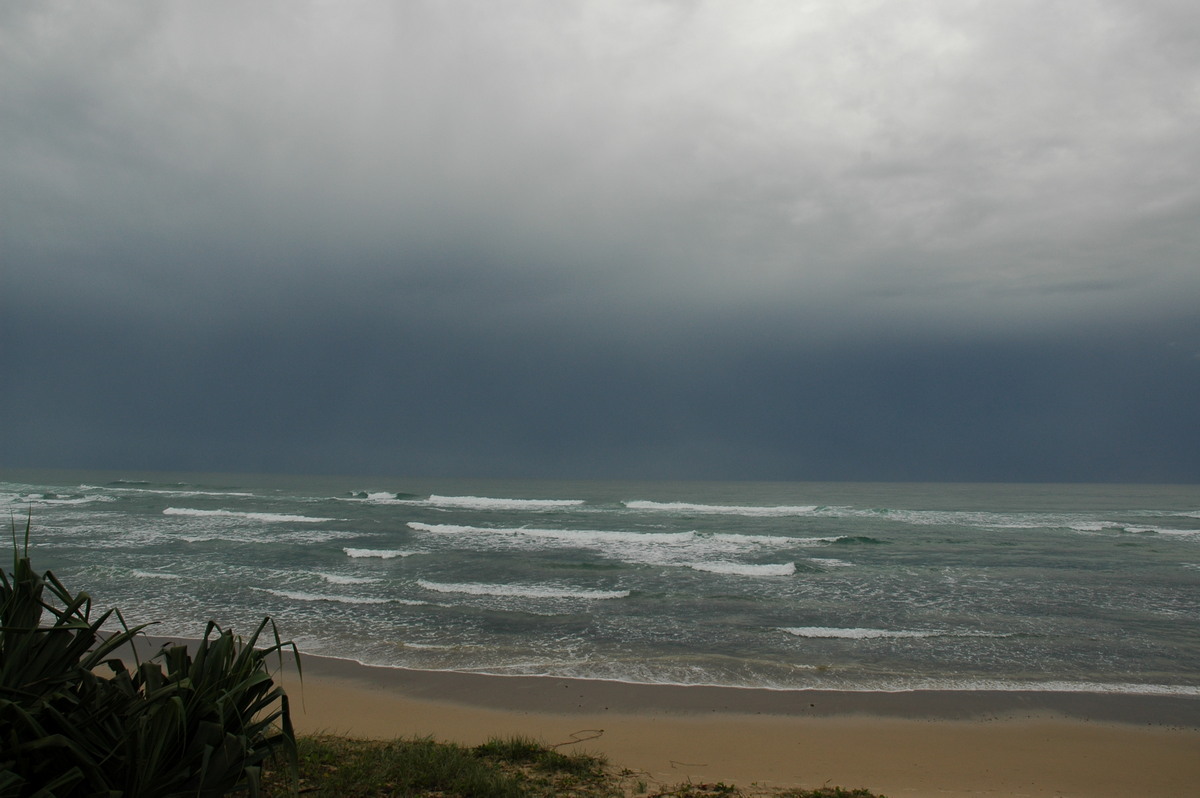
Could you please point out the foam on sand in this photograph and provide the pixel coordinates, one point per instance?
(856, 633)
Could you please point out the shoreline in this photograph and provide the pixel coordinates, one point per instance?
(537, 693)
(542, 694)
(920, 744)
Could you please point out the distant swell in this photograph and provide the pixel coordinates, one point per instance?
(52, 499)
(181, 492)
(487, 503)
(520, 591)
(580, 537)
(721, 509)
(269, 517)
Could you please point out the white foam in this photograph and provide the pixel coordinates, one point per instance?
(855, 633)
(176, 492)
(1093, 526)
(775, 541)
(377, 497)
(576, 537)
(744, 569)
(521, 591)
(155, 575)
(246, 536)
(722, 509)
(596, 538)
(53, 500)
(339, 579)
(299, 596)
(1187, 533)
(714, 553)
(267, 517)
(830, 562)
(383, 554)
(488, 503)
(1002, 685)
(870, 634)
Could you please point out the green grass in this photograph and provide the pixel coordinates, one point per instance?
(517, 767)
(342, 768)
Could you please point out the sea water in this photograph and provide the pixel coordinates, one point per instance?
(780, 585)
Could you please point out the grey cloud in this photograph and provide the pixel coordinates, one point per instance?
(496, 217)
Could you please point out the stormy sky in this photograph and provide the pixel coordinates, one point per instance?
(655, 239)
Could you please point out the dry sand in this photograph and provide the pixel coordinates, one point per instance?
(926, 743)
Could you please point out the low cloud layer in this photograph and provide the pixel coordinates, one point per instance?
(756, 240)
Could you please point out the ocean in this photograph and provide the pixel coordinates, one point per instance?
(779, 585)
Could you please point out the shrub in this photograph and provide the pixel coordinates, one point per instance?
(75, 721)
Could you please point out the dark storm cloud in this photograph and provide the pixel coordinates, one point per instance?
(842, 240)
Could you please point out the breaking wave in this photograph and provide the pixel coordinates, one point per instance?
(54, 499)
(521, 591)
(701, 552)
(295, 595)
(488, 503)
(830, 562)
(743, 569)
(266, 517)
(721, 509)
(577, 537)
(383, 554)
(339, 579)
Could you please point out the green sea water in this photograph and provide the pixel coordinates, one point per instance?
(785, 585)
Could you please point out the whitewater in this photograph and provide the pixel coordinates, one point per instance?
(779, 585)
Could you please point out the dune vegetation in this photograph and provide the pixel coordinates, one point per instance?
(208, 719)
(77, 720)
(337, 767)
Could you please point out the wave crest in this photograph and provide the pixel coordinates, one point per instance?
(744, 569)
(521, 591)
(267, 517)
(296, 595)
(489, 503)
(722, 509)
(383, 554)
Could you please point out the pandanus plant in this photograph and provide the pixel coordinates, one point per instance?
(75, 721)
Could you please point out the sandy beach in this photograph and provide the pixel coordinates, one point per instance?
(923, 743)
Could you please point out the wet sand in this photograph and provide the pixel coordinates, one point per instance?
(921, 743)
